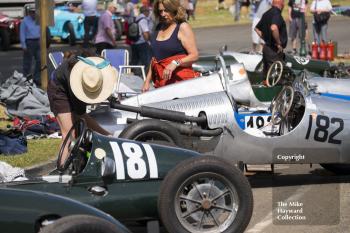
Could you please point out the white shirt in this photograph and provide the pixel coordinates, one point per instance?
(143, 27)
(323, 5)
(89, 7)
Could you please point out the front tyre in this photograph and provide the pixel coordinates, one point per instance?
(82, 224)
(71, 38)
(205, 194)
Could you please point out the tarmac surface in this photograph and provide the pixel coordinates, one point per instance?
(209, 40)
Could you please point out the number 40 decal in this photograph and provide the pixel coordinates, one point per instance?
(134, 161)
(321, 131)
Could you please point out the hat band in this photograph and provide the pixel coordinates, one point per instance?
(101, 65)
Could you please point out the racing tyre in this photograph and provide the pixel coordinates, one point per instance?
(82, 224)
(5, 39)
(153, 131)
(70, 30)
(205, 194)
(337, 168)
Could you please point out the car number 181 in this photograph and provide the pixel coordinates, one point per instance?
(134, 160)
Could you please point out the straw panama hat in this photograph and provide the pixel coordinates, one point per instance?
(93, 79)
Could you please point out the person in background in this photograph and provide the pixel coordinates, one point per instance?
(296, 10)
(244, 9)
(220, 5)
(319, 7)
(74, 84)
(30, 43)
(105, 37)
(272, 29)
(89, 8)
(173, 46)
(194, 2)
(141, 50)
(258, 43)
(237, 11)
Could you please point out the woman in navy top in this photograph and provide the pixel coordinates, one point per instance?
(173, 45)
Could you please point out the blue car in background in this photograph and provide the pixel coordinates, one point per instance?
(69, 26)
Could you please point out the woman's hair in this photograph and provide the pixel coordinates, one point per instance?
(173, 7)
(71, 56)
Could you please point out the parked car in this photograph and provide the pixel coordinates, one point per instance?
(69, 23)
(213, 119)
(131, 180)
(35, 211)
(9, 31)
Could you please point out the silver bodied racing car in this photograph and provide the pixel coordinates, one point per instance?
(219, 114)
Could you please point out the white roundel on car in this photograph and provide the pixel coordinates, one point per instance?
(100, 153)
(302, 60)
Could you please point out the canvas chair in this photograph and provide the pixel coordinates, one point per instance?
(119, 58)
(56, 58)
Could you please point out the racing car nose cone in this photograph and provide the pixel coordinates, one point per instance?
(206, 204)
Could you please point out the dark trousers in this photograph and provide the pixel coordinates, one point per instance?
(141, 54)
(101, 46)
(33, 51)
(269, 57)
(90, 29)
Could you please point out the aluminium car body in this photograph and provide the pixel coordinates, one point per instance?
(317, 120)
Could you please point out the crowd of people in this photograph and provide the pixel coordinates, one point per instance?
(167, 51)
(165, 46)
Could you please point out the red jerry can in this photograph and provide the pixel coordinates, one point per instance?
(330, 51)
(314, 50)
(323, 51)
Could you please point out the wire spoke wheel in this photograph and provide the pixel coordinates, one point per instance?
(206, 202)
(274, 73)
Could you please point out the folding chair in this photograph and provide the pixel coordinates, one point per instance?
(119, 58)
(56, 58)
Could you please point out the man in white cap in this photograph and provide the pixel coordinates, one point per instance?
(30, 43)
(79, 81)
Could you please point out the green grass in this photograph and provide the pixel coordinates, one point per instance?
(39, 151)
(207, 16)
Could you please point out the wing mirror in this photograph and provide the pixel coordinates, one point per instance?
(108, 167)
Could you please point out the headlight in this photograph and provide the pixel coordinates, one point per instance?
(80, 19)
(12, 25)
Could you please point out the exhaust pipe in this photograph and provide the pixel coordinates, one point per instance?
(157, 113)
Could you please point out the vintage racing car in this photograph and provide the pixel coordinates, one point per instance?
(254, 65)
(308, 117)
(69, 26)
(9, 31)
(34, 211)
(129, 179)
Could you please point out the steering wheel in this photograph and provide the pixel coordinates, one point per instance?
(274, 74)
(71, 144)
(281, 105)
